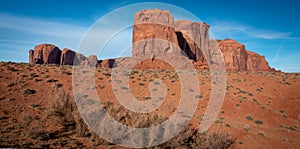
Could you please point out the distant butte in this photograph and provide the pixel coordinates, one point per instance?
(182, 36)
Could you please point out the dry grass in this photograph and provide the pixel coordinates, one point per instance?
(64, 109)
(190, 138)
(63, 127)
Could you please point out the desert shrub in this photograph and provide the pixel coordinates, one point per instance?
(141, 84)
(66, 72)
(255, 100)
(33, 75)
(261, 133)
(12, 69)
(37, 80)
(51, 80)
(259, 122)
(28, 91)
(101, 86)
(198, 96)
(190, 138)
(218, 140)
(292, 128)
(81, 127)
(135, 71)
(64, 108)
(249, 117)
(147, 97)
(11, 84)
(106, 74)
(258, 90)
(228, 125)
(57, 85)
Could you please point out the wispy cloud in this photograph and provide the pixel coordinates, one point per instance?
(21, 33)
(221, 29)
(40, 26)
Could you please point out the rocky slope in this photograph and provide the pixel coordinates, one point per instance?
(260, 109)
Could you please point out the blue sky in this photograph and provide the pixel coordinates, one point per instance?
(270, 28)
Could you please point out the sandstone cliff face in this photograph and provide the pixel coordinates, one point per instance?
(150, 24)
(31, 55)
(193, 39)
(159, 38)
(108, 63)
(81, 60)
(255, 62)
(67, 57)
(51, 54)
(235, 54)
(91, 60)
(45, 54)
(237, 58)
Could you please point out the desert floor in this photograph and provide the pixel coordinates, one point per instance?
(260, 109)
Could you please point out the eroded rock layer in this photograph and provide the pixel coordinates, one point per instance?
(156, 38)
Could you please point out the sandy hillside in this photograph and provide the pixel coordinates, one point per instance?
(260, 109)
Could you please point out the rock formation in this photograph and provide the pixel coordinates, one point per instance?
(79, 59)
(67, 57)
(45, 54)
(157, 36)
(51, 54)
(235, 54)
(31, 54)
(91, 60)
(193, 39)
(239, 59)
(108, 63)
(255, 62)
(153, 32)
